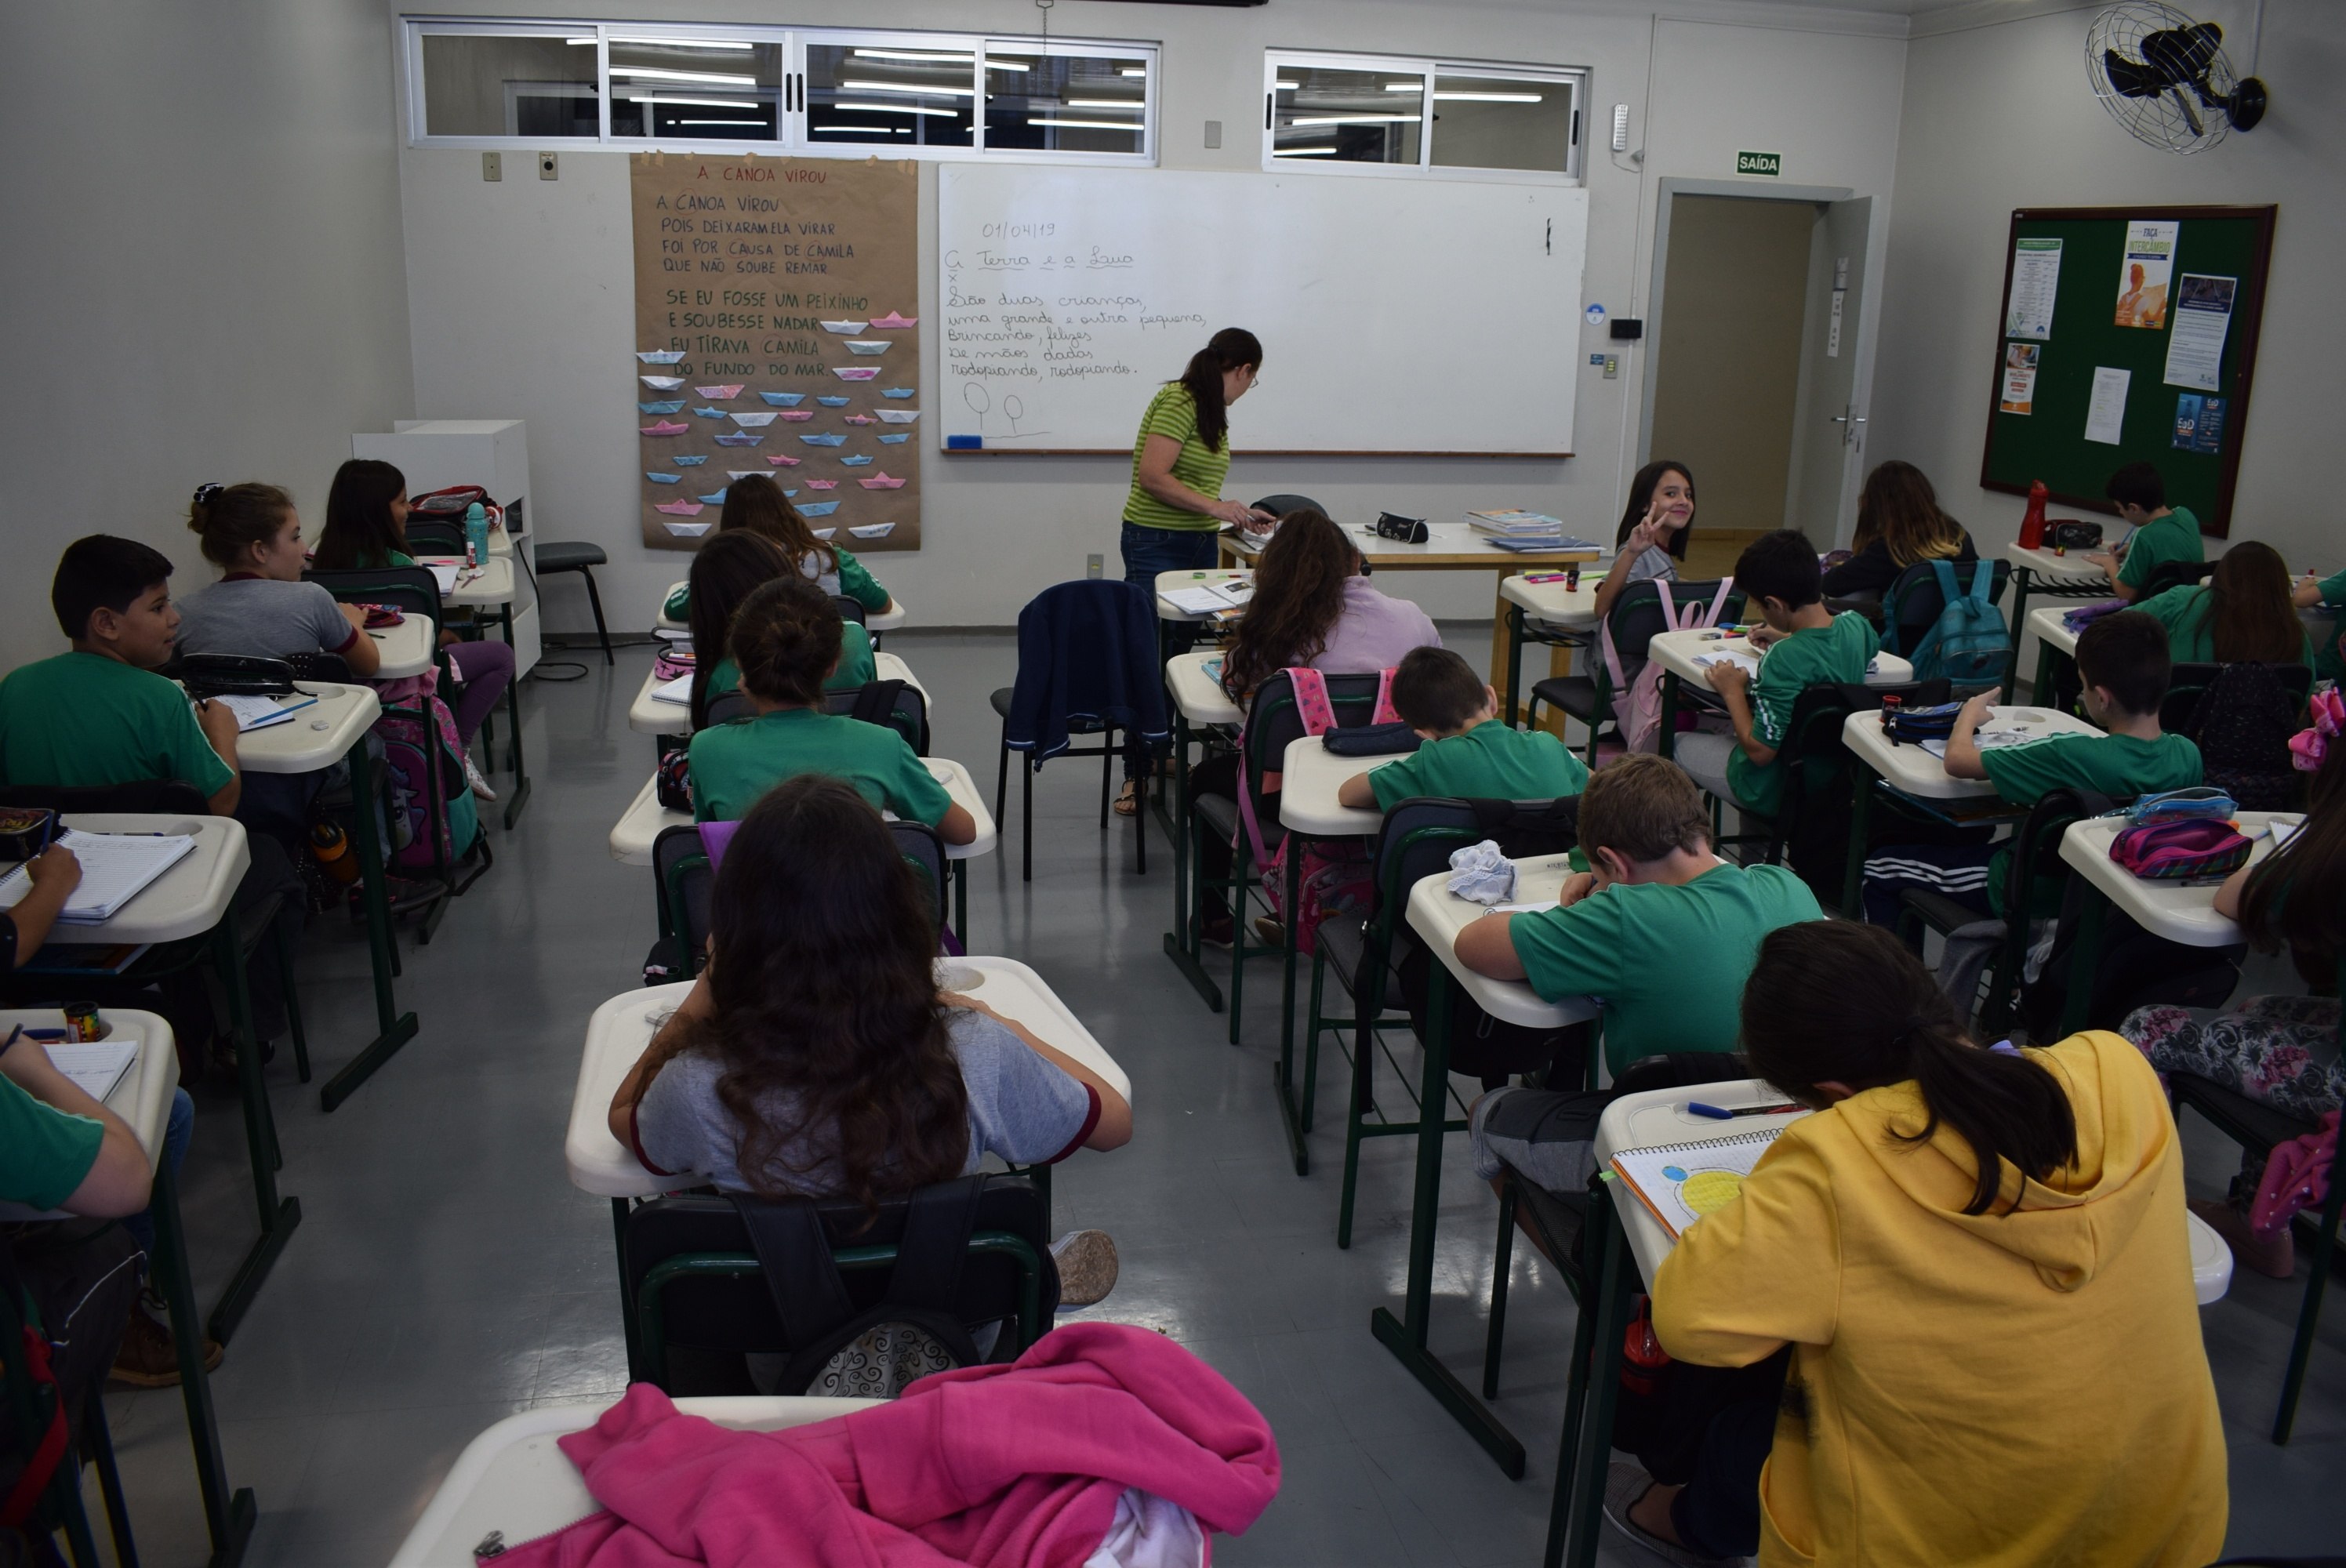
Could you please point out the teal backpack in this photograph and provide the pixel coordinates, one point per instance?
(1969, 644)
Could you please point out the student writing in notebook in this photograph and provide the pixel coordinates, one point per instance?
(1468, 754)
(2158, 536)
(55, 873)
(1975, 1265)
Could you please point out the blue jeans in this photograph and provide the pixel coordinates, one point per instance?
(1150, 552)
(176, 1133)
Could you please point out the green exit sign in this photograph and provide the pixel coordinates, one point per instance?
(1771, 164)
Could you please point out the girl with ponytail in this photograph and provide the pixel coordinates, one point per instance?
(1978, 1259)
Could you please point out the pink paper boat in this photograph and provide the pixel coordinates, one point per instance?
(823, 484)
(797, 415)
(892, 320)
(854, 372)
(679, 508)
(720, 393)
(880, 482)
(860, 419)
(783, 461)
(664, 427)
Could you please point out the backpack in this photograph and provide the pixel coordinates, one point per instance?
(2173, 850)
(1334, 877)
(2241, 725)
(1638, 706)
(1968, 644)
(408, 747)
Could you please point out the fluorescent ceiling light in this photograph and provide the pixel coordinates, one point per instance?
(1135, 104)
(1443, 95)
(1354, 119)
(699, 102)
(1008, 64)
(928, 57)
(576, 43)
(894, 109)
(1127, 71)
(861, 130)
(1083, 125)
(715, 78)
(909, 88)
(758, 123)
(1286, 87)
(1304, 152)
(688, 44)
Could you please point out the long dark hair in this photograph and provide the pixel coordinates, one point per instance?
(1899, 507)
(823, 985)
(1298, 593)
(2298, 894)
(2249, 613)
(1641, 496)
(757, 505)
(1226, 351)
(359, 531)
(728, 569)
(1841, 1002)
(785, 638)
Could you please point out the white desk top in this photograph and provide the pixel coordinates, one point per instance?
(1553, 603)
(623, 1026)
(887, 620)
(2179, 913)
(1676, 651)
(143, 1098)
(1213, 579)
(1438, 915)
(1447, 545)
(493, 588)
(1910, 771)
(186, 900)
(967, 795)
(316, 737)
(514, 1480)
(645, 817)
(1310, 779)
(406, 648)
(650, 716)
(2046, 624)
(1199, 696)
(2072, 570)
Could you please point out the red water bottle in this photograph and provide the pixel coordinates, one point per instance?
(1891, 706)
(2032, 523)
(1642, 1355)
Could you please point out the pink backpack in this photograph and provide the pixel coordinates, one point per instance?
(2297, 1175)
(1334, 877)
(2180, 848)
(1638, 702)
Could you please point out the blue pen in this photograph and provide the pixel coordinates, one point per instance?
(1696, 1107)
(1716, 1113)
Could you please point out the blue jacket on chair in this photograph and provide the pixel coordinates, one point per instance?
(1087, 660)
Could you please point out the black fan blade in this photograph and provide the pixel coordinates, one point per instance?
(2131, 78)
(2183, 54)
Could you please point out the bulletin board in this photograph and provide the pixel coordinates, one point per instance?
(2175, 369)
(772, 337)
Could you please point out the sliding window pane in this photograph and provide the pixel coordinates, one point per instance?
(702, 88)
(1349, 116)
(1064, 102)
(539, 86)
(1501, 122)
(883, 96)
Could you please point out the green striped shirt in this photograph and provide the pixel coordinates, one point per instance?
(1174, 411)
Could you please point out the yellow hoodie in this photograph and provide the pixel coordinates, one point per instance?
(2014, 1389)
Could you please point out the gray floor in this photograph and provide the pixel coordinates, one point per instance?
(446, 1274)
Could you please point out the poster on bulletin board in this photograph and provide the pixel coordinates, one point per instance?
(777, 335)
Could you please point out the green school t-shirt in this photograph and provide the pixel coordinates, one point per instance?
(1488, 763)
(733, 764)
(44, 1153)
(1174, 411)
(2174, 537)
(1818, 656)
(82, 718)
(856, 665)
(2119, 766)
(2186, 611)
(1668, 962)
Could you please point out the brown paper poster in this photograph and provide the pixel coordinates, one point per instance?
(774, 335)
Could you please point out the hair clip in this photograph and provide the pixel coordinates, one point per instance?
(204, 494)
(2308, 747)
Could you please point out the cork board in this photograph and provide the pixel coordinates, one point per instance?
(772, 337)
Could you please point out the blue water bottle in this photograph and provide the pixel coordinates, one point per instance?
(477, 535)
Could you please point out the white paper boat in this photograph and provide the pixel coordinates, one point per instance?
(662, 383)
(823, 533)
(899, 416)
(688, 530)
(892, 321)
(873, 530)
(854, 374)
(659, 356)
(724, 393)
(867, 345)
(845, 329)
(754, 421)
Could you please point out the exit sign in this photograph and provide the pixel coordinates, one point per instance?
(1771, 164)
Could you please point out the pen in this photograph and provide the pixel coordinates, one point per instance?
(1773, 1108)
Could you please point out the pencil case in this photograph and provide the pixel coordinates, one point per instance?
(2174, 851)
(26, 832)
(1372, 740)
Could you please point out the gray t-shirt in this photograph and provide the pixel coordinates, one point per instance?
(260, 618)
(1651, 562)
(1021, 1108)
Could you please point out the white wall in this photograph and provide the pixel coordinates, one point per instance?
(1999, 116)
(521, 293)
(200, 268)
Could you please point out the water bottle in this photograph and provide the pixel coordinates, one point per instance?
(2032, 523)
(477, 535)
(1642, 1355)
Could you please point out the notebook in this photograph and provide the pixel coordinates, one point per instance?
(96, 1066)
(1744, 656)
(678, 691)
(115, 868)
(260, 712)
(1680, 1182)
(1986, 740)
(1209, 598)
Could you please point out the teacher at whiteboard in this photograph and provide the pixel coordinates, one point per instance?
(1180, 459)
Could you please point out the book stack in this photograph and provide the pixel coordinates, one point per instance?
(1521, 531)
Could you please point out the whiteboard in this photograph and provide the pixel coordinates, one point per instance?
(1396, 315)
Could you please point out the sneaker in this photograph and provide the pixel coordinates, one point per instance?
(2274, 1256)
(1268, 931)
(149, 1357)
(480, 791)
(1086, 1261)
(1216, 931)
(1625, 1483)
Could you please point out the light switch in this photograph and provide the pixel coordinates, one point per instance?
(493, 166)
(1612, 366)
(547, 168)
(1213, 133)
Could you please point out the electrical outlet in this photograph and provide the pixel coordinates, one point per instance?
(1213, 133)
(547, 167)
(1621, 128)
(1093, 567)
(493, 166)
(1612, 366)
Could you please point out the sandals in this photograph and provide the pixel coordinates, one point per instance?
(1128, 799)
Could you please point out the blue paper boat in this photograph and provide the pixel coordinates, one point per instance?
(669, 406)
(784, 400)
(743, 439)
(689, 462)
(788, 494)
(665, 478)
(710, 413)
(896, 440)
(818, 439)
(895, 392)
(854, 461)
(818, 508)
(717, 499)
(833, 402)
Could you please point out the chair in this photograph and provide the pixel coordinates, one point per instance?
(690, 1267)
(434, 535)
(908, 715)
(848, 609)
(682, 882)
(57, 1504)
(1087, 666)
(1913, 603)
(1634, 620)
(578, 555)
(925, 853)
(2035, 853)
(1280, 505)
(2175, 574)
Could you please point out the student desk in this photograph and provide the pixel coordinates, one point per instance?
(1675, 653)
(1907, 769)
(1438, 916)
(514, 1483)
(1448, 547)
(191, 899)
(490, 587)
(2064, 576)
(649, 715)
(1644, 1121)
(1174, 581)
(406, 648)
(623, 1026)
(1199, 703)
(2049, 625)
(1569, 619)
(143, 1100)
(315, 738)
(874, 621)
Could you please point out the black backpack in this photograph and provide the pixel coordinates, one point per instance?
(2241, 725)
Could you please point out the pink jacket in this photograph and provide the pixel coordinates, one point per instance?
(995, 1467)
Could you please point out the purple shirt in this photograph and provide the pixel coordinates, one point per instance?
(1374, 631)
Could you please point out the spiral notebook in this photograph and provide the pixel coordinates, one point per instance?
(1680, 1182)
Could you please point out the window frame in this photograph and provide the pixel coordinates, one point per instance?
(793, 138)
(1433, 68)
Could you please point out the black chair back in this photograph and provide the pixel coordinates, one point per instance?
(1274, 722)
(727, 707)
(411, 589)
(2175, 574)
(919, 844)
(682, 883)
(848, 609)
(908, 716)
(1915, 601)
(434, 535)
(1811, 824)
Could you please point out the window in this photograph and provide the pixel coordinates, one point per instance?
(806, 91)
(1358, 113)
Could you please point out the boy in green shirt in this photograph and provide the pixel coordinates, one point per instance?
(2122, 660)
(2162, 535)
(1807, 645)
(1466, 755)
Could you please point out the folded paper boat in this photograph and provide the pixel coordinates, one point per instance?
(722, 393)
(859, 419)
(679, 508)
(844, 328)
(896, 440)
(797, 415)
(854, 461)
(689, 462)
(823, 533)
(900, 416)
(895, 392)
(716, 498)
(834, 401)
(784, 400)
(779, 462)
(662, 383)
(664, 427)
(709, 413)
(819, 509)
(823, 484)
(873, 530)
(665, 478)
(880, 482)
(892, 321)
(665, 406)
(867, 345)
(659, 356)
(818, 439)
(688, 530)
(850, 373)
(740, 438)
(754, 421)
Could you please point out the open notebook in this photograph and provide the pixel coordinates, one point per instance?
(115, 868)
(1680, 1182)
(96, 1066)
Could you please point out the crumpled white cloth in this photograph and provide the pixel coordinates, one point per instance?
(1149, 1532)
(1481, 874)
